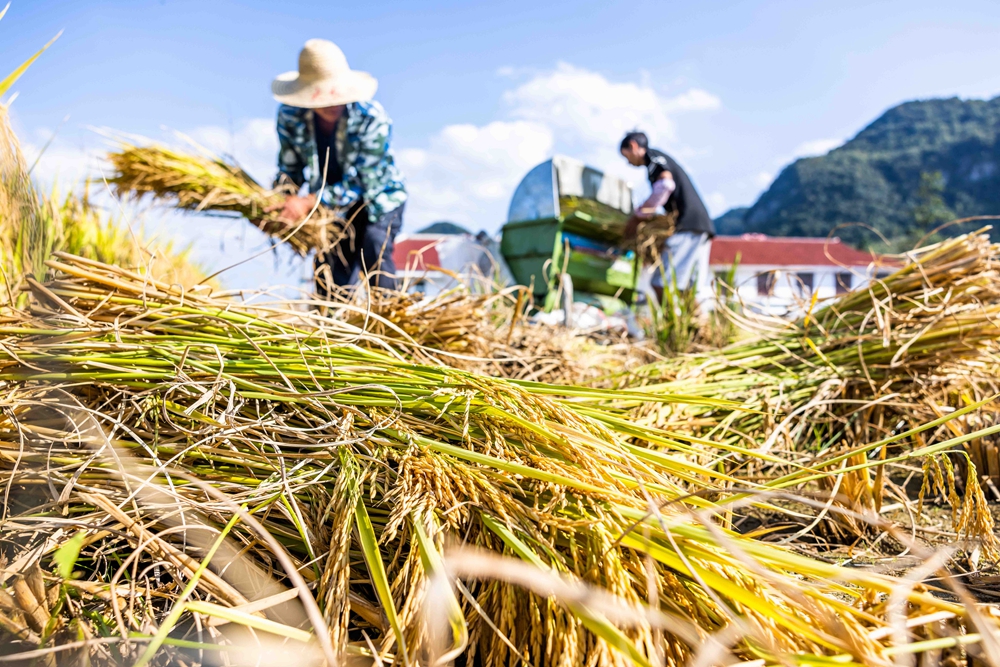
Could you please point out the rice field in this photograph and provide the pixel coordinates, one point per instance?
(190, 478)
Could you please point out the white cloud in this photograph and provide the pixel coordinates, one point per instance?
(584, 107)
(763, 179)
(467, 173)
(816, 147)
(716, 203)
(695, 99)
(253, 144)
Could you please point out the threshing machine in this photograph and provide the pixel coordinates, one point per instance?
(565, 224)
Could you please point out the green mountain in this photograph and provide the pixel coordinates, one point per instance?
(919, 164)
(731, 222)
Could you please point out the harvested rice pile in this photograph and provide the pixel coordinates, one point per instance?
(459, 326)
(150, 433)
(488, 333)
(537, 353)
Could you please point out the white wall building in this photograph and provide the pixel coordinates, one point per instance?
(779, 275)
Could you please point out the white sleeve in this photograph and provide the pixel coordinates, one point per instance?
(662, 189)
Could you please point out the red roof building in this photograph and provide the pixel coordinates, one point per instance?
(416, 252)
(761, 250)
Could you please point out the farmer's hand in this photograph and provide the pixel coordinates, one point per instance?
(294, 209)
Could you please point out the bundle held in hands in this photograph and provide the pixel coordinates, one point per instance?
(198, 183)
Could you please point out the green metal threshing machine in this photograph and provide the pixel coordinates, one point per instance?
(565, 225)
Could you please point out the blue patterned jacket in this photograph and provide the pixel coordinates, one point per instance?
(362, 141)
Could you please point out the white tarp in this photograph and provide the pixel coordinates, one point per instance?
(471, 257)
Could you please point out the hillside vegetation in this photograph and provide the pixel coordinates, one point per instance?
(918, 164)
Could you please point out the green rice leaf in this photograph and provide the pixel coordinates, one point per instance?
(434, 565)
(376, 570)
(180, 605)
(66, 555)
(181, 643)
(247, 620)
(16, 74)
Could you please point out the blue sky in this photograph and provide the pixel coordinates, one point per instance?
(480, 92)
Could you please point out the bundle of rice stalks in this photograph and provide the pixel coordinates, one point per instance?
(180, 471)
(603, 214)
(458, 326)
(605, 221)
(483, 328)
(905, 350)
(197, 183)
(33, 226)
(651, 235)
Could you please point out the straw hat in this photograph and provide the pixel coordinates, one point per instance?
(323, 79)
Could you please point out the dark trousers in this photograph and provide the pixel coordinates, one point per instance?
(367, 249)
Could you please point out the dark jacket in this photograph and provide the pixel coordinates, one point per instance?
(692, 216)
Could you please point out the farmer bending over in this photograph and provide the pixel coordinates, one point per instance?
(686, 252)
(328, 123)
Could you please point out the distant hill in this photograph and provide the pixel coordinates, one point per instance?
(731, 222)
(444, 227)
(919, 163)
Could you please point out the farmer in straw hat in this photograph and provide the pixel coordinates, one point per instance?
(329, 125)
